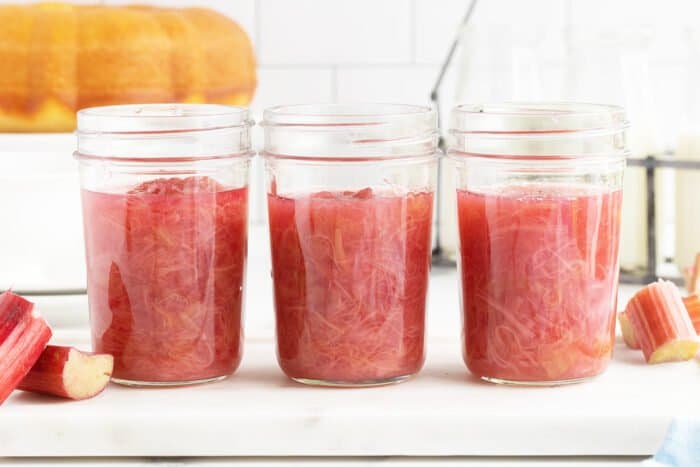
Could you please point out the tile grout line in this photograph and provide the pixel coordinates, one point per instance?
(568, 42)
(334, 82)
(258, 33)
(414, 20)
(363, 66)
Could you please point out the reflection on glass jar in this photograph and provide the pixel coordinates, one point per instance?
(164, 193)
(539, 199)
(612, 65)
(513, 62)
(350, 201)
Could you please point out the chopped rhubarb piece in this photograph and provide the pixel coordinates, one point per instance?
(693, 284)
(68, 372)
(687, 274)
(23, 336)
(692, 304)
(661, 323)
(627, 331)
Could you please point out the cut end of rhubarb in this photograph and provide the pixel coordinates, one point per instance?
(68, 372)
(676, 351)
(660, 322)
(627, 331)
(86, 375)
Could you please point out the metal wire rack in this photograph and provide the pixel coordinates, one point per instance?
(650, 164)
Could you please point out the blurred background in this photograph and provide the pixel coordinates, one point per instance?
(643, 54)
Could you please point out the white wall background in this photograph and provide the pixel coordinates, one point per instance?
(390, 50)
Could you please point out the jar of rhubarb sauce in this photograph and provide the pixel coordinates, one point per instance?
(350, 202)
(538, 200)
(164, 194)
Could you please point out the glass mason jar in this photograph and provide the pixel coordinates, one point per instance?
(165, 195)
(539, 193)
(350, 202)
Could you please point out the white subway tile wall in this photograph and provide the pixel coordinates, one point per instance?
(435, 25)
(409, 84)
(281, 85)
(319, 32)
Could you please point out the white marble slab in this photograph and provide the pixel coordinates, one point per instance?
(394, 461)
(443, 411)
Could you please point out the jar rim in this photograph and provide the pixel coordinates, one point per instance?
(349, 131)
(340, 114)
(158, 133)
(161, 118)
(542, 132)
(527, 120)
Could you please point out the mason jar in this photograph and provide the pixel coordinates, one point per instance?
(164, 195)
(350, 202)
(539, 193)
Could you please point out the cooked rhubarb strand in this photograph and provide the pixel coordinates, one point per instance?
(661, 323)
(23, 336)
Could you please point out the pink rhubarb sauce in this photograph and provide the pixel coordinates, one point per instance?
(350, 276)
(539, 268)
(165, 267)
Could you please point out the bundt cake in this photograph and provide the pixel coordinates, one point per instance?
(58, 58)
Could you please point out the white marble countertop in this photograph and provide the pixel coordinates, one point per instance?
(441, 412)
(394, 461)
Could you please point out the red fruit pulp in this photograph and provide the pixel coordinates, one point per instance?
(539, 268)
(165, 278)
(350, 274)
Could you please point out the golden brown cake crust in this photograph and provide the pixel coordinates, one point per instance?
(57, 58)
